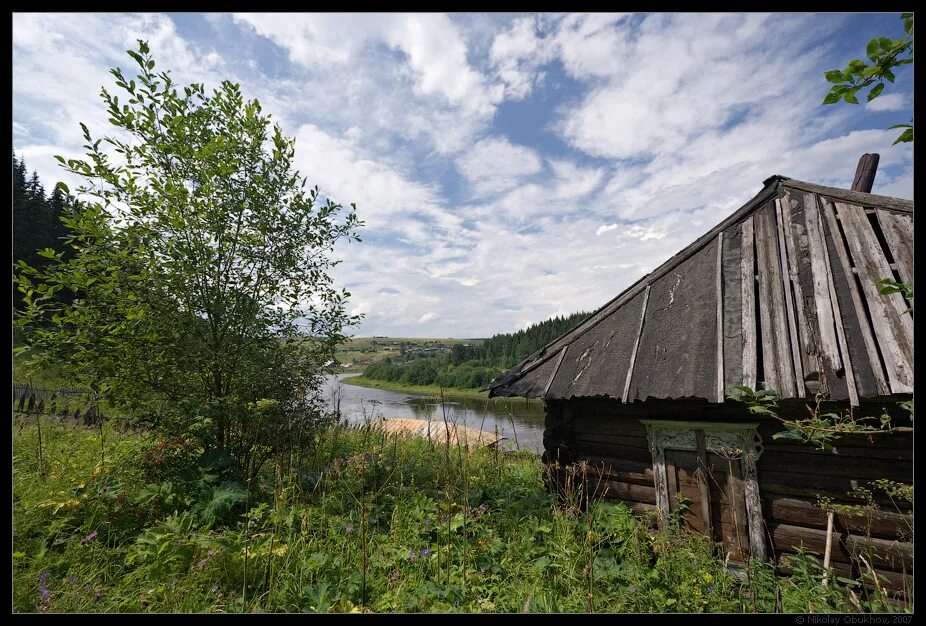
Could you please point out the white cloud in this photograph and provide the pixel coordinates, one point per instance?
(605, 229)
(494, 164)
(428, 317)
(888, 102)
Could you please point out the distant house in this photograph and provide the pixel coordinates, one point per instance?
(780, 295)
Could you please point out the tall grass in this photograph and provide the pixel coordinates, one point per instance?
(370, 523)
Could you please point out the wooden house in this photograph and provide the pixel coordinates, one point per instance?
(781, 295)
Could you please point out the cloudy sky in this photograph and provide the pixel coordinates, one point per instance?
(508, 167)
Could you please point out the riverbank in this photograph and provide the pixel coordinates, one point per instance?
(418, 390)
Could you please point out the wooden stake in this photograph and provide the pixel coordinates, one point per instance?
(829, 547)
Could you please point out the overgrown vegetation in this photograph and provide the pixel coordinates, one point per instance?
(474, 365)
(199, 274)
(139, 522)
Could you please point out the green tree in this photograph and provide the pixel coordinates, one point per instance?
(885, 55)
(201, 270)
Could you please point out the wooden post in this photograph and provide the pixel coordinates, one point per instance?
(829, 546)
(865, 172)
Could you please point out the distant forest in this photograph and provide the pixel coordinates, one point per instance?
(36, 220)
(472, 366)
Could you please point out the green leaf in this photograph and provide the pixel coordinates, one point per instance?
(873, 48)
(831, 98)
(905, 137)
(875, 91)
(834, 76)
(62, 186)
(850, 98)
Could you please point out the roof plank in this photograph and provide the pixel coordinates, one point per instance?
(748, 294)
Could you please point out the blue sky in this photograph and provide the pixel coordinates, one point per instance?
(508, 167)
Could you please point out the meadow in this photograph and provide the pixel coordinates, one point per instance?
(110, 519)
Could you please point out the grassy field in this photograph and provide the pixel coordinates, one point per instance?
(105, 521)
(359, 352)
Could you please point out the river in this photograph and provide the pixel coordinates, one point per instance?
(519, 421)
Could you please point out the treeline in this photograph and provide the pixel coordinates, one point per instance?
(36, 220)
(472, 366)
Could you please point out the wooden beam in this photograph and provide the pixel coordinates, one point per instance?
(748, 291)
(865, 173)
(829, 345)
(840, 330)
(562, 354)
(719, 293)
(852, 197)
(898, 232)
(871, 349)
(704, 486)
(636, 345)
(789, 304)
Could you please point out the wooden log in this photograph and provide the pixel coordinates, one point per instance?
(837, 465)
(892, 326)
(852, 197)
(748, 297)
(626, 492)
(887, 554)
(842, 256)
(808, 486)
(881, 523)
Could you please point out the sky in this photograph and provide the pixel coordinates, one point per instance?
(507, 167)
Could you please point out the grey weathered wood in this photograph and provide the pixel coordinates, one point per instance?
(808, 351)
(898, 232)
(562, 355)
(852, 197)
(865, 174)
(776, 353)
(892, 327)
(829, 344)
(737, 494)
(720, 394)
(703, 485)
(636, 346)
(840, 329)
(732, 310)
(748, 287)
(874, 360)
(795, 342)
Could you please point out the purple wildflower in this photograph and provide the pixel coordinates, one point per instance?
(350, 528)
(88, 538)
(97, 594)
(43, 577)
(86, 586)
(425, 553)
(44, 592)
(73, 579)
(412, 554)
(210, 553)
(202, 563)
(103, 489)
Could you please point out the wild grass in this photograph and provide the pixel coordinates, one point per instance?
(130, 522)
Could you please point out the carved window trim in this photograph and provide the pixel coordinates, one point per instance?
(737, 439)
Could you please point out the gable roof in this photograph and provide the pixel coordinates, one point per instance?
(788, 280)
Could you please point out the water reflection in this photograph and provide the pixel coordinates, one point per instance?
(518, 421)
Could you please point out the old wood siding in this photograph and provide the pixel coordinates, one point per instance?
(792, 477)
(789, 283)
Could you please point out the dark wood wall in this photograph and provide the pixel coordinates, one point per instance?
(792, 476)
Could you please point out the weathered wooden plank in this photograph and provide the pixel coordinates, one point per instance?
(898, 232)
(829, 344)
(776, 353)
(562, 355)
(795, 341)
(893, 555)
(748, 296)
(838, 465)
(732, 310)
(810, 364)
(807, 485)
(838, 321)
(853, 197)
(703, 485)
(636, 346)
(865, 172)
(877, 523)
(626, 492)
(719, 298)
(875, 365)
(892, 327)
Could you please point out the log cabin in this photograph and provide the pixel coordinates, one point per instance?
(782, 296)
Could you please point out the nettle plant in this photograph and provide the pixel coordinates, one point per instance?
(200, 273)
